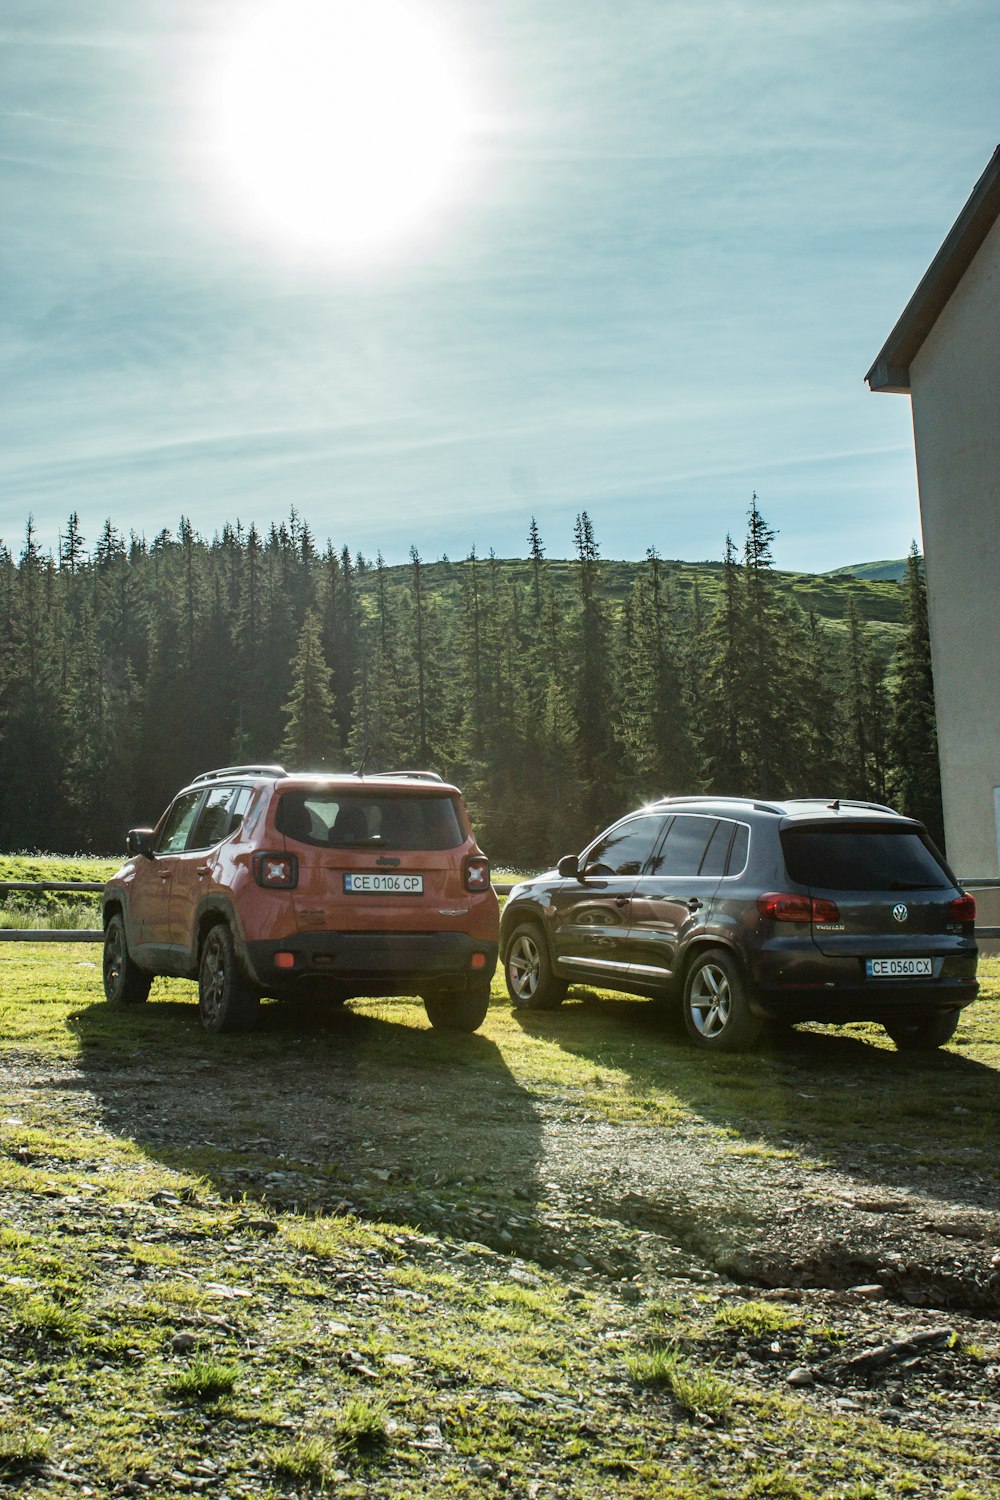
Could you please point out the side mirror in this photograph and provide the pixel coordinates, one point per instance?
(140, 841)
(569, 867)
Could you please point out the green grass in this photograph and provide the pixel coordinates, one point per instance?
(312, 1461)
(757, 1318)
(698, 1390)
(204, 1380)
(356, 1351)
(21, 1445)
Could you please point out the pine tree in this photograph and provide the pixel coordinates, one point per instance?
(914, 777)
(720, 724)
(653, 726)
(309, 722)
(31, 711)
(865, 713)
(770, 679)
(594, 700)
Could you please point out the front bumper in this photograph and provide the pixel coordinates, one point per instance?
(376, 963)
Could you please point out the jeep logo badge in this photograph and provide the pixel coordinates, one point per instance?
(900, 912)
(384, 859)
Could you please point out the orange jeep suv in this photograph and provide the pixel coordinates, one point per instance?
(257, 882)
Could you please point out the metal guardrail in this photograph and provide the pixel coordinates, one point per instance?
(94, 887)
(81, 934)
(52, 934)
(986, 884)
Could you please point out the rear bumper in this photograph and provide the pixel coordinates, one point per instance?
(376, 963)
(842, 1002)
(807, 986)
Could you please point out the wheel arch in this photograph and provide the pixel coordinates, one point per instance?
(706, 943)
(215, 910)
(114, 906)
(528, 916)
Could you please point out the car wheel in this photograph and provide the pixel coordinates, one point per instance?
(124, 982)
(922, 1033)
(527, 969)
(458, 1012)
(717, 1012)
(226, 999)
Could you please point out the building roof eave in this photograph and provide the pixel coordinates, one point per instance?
(891, 370)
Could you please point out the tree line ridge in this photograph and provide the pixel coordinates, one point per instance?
(557, 692)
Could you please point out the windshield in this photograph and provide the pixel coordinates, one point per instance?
(863, 859)
(353, 820)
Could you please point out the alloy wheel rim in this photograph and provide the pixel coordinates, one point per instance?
(710, 1001)
(524, 966)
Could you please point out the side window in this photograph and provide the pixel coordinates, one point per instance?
(178, 824)
(626, 850)
(738, 853)
(714, 859)
(215, 819)
(686, 845)
(242, 800)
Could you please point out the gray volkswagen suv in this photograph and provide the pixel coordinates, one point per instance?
(742, 912)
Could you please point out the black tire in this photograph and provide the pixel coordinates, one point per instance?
(922, 1033)
(458, 1012)
(717, 1014)
(227, 1001)
(124, 982)
(527, 969)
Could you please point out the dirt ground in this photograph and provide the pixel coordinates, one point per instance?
(898, 1255)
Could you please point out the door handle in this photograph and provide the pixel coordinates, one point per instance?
(621, 901)
(203, 870)
(694, 904)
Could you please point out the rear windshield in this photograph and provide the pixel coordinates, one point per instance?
(862, 859)
(352, 820)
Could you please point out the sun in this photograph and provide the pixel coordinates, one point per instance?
(340, 127)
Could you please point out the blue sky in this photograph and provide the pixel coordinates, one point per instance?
(678, 238)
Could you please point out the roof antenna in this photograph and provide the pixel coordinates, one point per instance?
(835, 806)
(364, 756)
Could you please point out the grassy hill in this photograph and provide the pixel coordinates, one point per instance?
(879, 599)
(882, 572)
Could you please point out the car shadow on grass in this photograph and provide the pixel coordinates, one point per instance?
(357, 1109)
(841, 1096)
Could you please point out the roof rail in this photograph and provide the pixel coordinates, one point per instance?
(408, 776)
(225, 771)
(835, 803)
(736, 801)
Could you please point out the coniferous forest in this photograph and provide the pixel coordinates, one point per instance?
(557, 693)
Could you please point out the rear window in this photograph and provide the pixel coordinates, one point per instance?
(862, 859)
(339, 820)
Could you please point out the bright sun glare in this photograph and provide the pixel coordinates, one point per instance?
(341, 125)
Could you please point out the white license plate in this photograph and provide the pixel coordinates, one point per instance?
(898, 968)
(384, 885)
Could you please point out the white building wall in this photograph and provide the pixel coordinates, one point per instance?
(955, 382)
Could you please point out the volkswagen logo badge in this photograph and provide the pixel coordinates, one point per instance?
(900, 912)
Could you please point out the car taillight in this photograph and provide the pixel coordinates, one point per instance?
(962, 909)
(793, 906)
(477, 873)
(276, 872)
